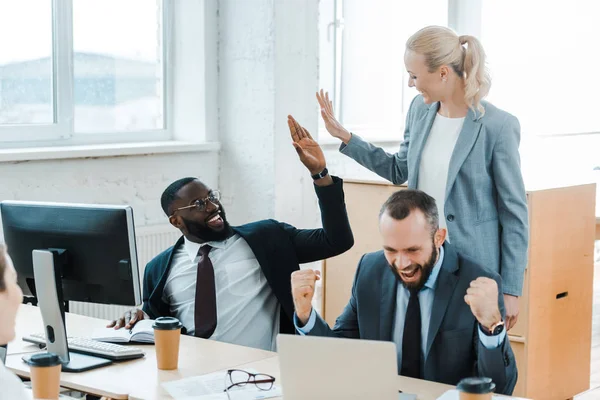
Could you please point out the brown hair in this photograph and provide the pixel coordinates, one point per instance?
(3, 264)
(403, 202)
(465, 54)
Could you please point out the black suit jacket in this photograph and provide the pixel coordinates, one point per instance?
(453, 349)
(279, 249)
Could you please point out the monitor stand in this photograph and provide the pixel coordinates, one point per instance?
(48, 284)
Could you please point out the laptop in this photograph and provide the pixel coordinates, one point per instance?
(314, 367)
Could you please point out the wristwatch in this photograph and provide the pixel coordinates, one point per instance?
(321, 174)
(493, 330)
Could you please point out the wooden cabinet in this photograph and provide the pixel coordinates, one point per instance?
(363, 202)
(552, 340)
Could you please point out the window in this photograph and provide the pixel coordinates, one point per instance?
(543, 72)
(82, 71)
(362, 61)
(543, 67)
(26, 92)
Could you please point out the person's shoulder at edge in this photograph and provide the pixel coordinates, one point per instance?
(260, 224)
(372, 263)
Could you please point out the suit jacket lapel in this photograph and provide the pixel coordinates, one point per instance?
(155, 298)
(444, 288)
(466, 139)
(418, 140)
(166, 268)
(387, 310)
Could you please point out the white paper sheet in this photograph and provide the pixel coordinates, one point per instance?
(211, 386)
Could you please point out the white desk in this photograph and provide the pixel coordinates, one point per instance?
(140, 379)
(196, 357)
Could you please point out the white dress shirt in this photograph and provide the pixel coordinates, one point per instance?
(247, 309)
(435, 160)
(11, 387)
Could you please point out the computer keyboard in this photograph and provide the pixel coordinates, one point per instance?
(114, 352)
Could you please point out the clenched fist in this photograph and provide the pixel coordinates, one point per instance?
(482, 297)
(303, 290)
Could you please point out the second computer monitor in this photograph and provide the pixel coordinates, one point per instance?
(95, 246)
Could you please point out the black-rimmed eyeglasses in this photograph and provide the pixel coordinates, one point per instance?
(238, 377)
(200, 204)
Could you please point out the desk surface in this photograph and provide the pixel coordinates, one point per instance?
(196, 357)
(426, 390)
(140, 379)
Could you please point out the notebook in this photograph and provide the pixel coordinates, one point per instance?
(141, 332)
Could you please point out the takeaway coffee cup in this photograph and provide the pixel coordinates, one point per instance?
(45, 375)
(476, 388)
(167, 332)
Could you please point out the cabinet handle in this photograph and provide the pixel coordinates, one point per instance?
(561, 295)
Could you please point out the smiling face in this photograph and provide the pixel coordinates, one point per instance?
(197, 225)
(432, 85)
(410, 247)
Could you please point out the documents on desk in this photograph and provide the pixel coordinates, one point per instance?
(212, 386)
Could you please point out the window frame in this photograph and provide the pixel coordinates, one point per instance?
(377, 134)
(62, 131)
(464, 16)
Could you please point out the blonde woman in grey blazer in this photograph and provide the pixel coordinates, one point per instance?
(461, 150)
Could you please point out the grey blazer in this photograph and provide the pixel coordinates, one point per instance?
(485, 206)
(453, 349)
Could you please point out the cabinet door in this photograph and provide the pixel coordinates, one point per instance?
(518, 348)
(363, 202)
(560, 275)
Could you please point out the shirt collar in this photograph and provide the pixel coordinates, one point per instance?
(192, 248)
(432, 280)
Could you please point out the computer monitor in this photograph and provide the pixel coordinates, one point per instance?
(72, 252)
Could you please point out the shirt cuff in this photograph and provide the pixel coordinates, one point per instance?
(305, 330)
(491, 342)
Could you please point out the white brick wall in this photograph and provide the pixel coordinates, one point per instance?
(135, 180)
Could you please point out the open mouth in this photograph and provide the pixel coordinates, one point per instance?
(215, 220)
(409, 273)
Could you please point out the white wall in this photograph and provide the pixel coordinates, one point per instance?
(268, 53)
(135, 180)
(268, 68)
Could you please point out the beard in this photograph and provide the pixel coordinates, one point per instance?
(425, 270)
(205, 232)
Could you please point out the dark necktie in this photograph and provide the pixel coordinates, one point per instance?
(205, 310)
(411, 338)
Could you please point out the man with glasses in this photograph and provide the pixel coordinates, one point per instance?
(232, 284)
